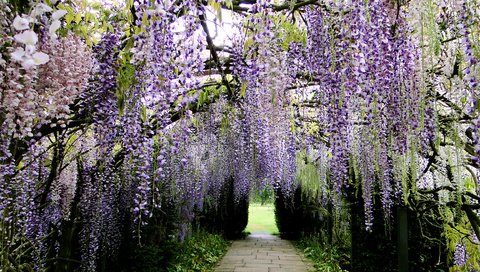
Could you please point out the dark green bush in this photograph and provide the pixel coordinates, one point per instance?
(298, 214)
(325, 257)
(158, 242)
(154, 258)
(161, 250)
(199, 253)
(263, 195)
(226, 215)
(379, 247)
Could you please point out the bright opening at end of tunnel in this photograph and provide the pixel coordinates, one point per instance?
(261, 219)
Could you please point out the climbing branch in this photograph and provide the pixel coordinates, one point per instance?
(213, 53)
(286, 6)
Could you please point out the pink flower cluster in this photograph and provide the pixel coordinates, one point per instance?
(64, 78)
(33, 92)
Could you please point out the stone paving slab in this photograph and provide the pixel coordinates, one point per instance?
(261, 252)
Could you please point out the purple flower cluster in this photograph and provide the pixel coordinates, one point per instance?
(365, 84)
(460, 256)
(471, 81)
(365, 105)
(100, 183)
(103, 97)
(20, 214)
(167, 60)
(265, 153)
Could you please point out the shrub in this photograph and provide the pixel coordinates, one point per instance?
(199, 253)
(225, 215)
(263, 195)
(298, 214)
(325, 257)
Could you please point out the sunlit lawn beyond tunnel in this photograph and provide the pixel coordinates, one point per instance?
(261, 218)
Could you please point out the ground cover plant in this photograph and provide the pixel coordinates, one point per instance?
(128, 125)
(324, 257)
(200, 252)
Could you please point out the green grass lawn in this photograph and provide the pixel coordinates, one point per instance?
(261, 219)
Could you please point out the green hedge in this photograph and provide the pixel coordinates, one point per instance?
(225, 215)
(324, 257)
(199, 253)
(298, 214)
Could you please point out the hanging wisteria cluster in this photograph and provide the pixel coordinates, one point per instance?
(264, 117)
(113, 160)
(36, 99)
(366, 94)
(471, 76)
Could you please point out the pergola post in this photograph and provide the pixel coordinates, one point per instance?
(402, 227)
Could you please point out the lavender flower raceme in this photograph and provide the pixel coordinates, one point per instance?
(460, 256)
(364, 83)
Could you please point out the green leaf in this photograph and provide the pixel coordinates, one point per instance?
(243, 88)
(66, 7)
(143, 114)
(84, 31)
(202, 98)
(217, 7)
(229, 4)
(248, 43)
(89, 17)
(78, 18)
(97, 6)
(69, 18)
(145, 19)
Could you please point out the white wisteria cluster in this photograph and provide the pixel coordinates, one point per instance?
(27, 53)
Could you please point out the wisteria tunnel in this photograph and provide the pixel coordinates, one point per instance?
(135, 131)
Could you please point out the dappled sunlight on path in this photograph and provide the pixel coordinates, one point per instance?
(262, 252)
